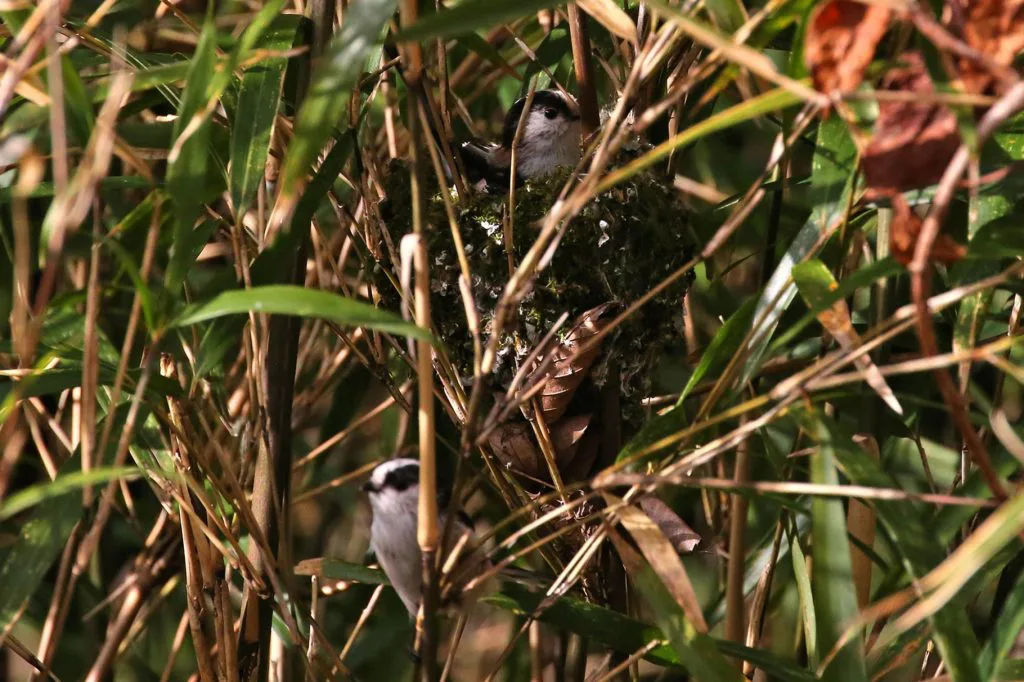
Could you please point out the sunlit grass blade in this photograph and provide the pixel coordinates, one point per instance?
(189, 160)
(285, 299)
(771, 101)
(815, 283)
(835, 600)
(332, 85)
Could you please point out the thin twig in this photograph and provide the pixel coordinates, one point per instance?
(1011, 103)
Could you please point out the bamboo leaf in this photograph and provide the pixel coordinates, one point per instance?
(286, 299)
(335, 569)
(331, 87)
(626, 635)
(40, 541)
(835, 600)
(186, 172)
(41, 492)
(258, 98)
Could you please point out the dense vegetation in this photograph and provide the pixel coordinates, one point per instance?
(741, 390)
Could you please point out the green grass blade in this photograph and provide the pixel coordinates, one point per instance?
(835, 600)
(39, 542)
(39, 493)
(286, 299)
(831, 182)
(186, 172)
(331, 87)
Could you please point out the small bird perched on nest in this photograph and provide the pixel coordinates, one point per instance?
(550, 139)
(394, 493)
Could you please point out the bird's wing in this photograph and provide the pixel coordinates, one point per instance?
(485, 164)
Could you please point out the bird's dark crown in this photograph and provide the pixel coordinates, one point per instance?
(541, 99)
(398, 479)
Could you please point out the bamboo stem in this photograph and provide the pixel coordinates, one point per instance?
(586, 92)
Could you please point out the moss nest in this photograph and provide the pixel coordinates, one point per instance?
(620, 246)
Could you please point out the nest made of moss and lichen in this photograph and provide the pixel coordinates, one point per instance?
(620, 246)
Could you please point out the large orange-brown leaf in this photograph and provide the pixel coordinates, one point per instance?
(994, 28)
(913, 141)
(841, 41)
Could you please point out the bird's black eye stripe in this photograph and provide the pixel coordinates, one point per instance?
(550, 114)
(543, 101)
(401, 478)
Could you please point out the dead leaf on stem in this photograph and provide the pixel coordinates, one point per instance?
(841, 42)
(913, 141)
(515, 446)
(569, 367)
(906, 226)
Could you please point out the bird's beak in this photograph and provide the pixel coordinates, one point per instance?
(368, 487)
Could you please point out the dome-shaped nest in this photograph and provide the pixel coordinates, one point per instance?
(620, 246)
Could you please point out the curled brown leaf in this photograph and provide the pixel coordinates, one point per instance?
(683, 538)
(841, 41)
(568, 368)
(515, 446)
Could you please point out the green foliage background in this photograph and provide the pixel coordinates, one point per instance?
(147, 224)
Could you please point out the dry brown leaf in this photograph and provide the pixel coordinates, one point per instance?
(515, 447)
(906, 226)
(836, 319)
(841, 42)
(660, 554)
(683, 538)
(569, 368)
(913, 141)
(994, 28)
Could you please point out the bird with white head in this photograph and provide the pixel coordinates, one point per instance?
(394, 493)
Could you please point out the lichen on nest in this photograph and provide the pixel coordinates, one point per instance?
(620, 246)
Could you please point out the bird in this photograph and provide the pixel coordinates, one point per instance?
(394, 492)
(550, 140)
